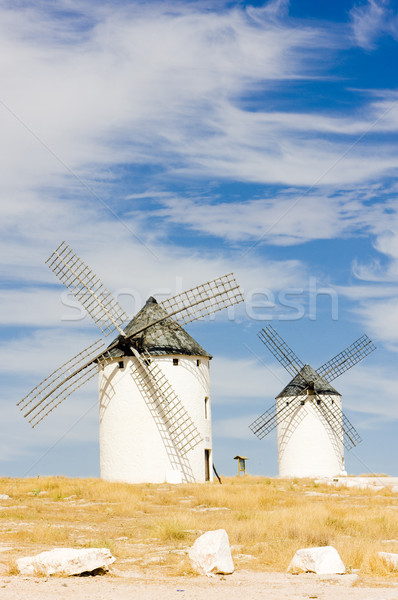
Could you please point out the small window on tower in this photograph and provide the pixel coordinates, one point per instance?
(121, 364)
(197, 362)
(206, 407)
(175, 361)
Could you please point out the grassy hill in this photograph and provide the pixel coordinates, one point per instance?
(149, 528)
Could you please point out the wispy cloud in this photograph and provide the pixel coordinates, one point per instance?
(287, 218)
(145, 85)
(137, 76)
(373, 19)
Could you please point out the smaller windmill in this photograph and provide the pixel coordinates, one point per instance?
(311, 426)
(154, 407)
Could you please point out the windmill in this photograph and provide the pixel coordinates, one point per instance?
(154, 407)
(311, 426)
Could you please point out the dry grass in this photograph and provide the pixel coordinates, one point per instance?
(150, 527)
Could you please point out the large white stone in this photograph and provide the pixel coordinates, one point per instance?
(66, 561)
(211, 553)
(390, 558)
(323, 560)
(394, 489)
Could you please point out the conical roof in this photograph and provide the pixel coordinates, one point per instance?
(165, 337)
(298, 384)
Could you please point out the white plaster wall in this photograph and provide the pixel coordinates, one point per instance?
(136, 448)
(307, 445)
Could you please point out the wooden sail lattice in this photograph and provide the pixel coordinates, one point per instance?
(346, 359)
(203, 300)
(160, 393)
(338, 421)
(61, 383)
(282, 352)
(98, 301)
(332, 369)
(266, 422)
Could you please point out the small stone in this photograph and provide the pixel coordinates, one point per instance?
(211, 553)
(4, 497)
(323, 560)
(390, 558)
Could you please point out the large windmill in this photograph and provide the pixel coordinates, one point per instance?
(311, 426)
(153, 378)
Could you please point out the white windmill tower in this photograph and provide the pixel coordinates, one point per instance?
(154, 395)
(311, 426)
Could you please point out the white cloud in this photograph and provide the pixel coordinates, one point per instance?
(234, 380)
(381, 317)
(145, 85)
(289, 218)
(371, 20)
(138, 75)
(369, 389)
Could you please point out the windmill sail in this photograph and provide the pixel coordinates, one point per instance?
(282, 352)
(272, 417)
(88, 289)
(203, 300)
(346, 359)
(61, 383)
(338, 421)
(159, 392)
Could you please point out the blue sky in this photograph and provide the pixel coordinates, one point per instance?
(169, 143)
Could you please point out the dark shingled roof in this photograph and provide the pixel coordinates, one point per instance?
(165, 337)
(297, 384)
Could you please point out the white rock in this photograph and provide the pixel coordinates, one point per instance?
(358, 485)
(394, 489)
(66, 561)
(390, 558)
(4, 497)
(211, 553)
(323, 560)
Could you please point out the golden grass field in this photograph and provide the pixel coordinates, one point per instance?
(149, 528)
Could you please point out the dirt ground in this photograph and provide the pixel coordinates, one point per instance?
(251, 586)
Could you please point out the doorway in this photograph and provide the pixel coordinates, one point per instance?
(207, 464)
